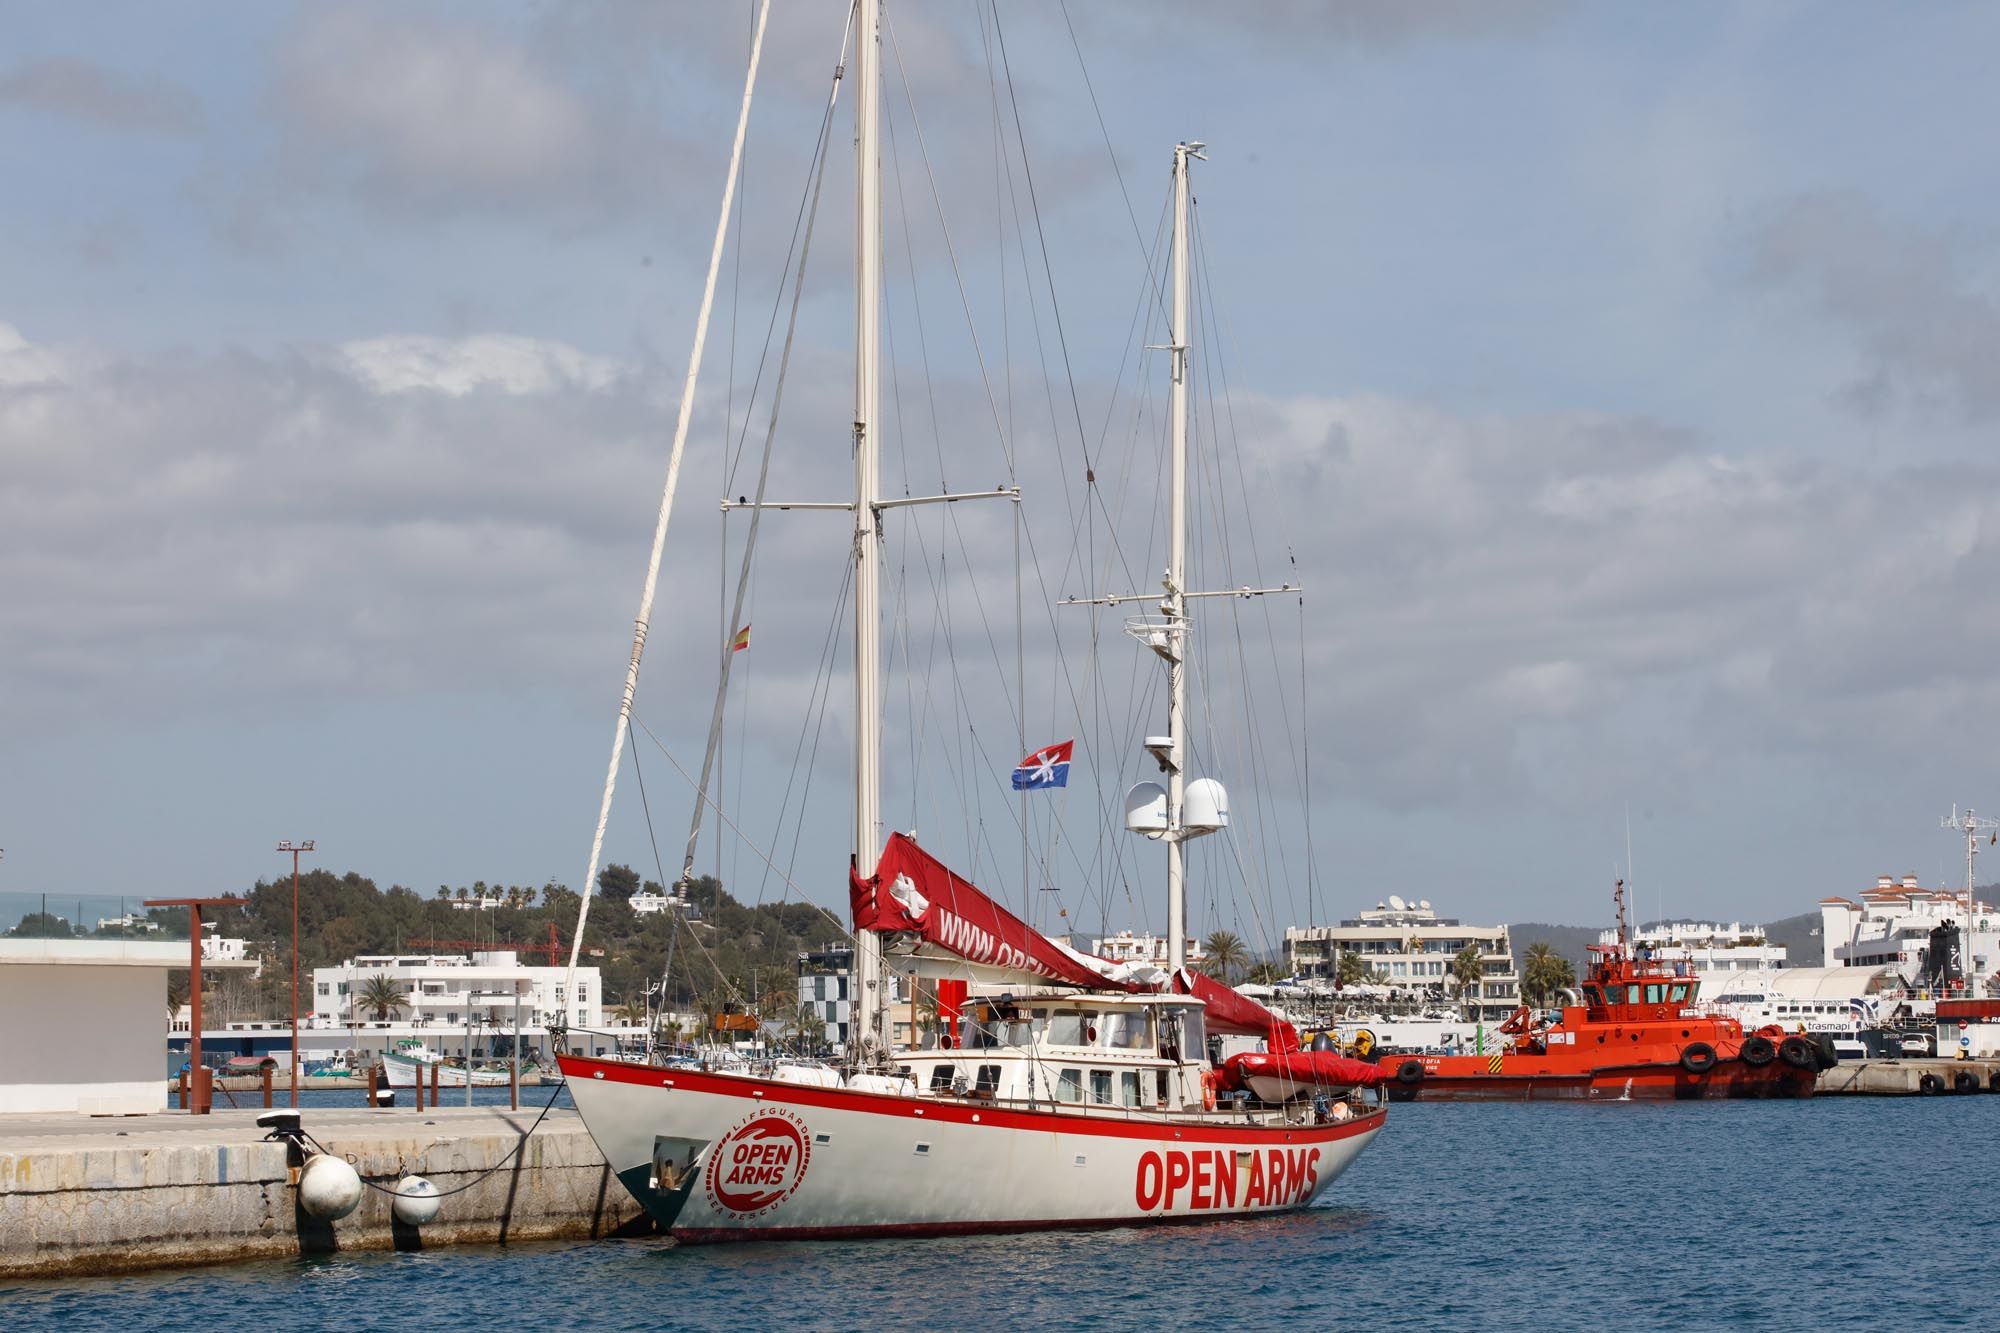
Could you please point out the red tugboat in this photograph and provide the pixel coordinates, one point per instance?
(1638, 1033)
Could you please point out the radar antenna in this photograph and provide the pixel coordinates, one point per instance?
(1972, 826)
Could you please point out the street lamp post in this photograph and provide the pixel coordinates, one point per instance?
(295, 848)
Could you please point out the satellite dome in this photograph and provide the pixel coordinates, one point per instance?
(1398, 904)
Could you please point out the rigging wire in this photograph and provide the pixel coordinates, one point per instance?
(733, 623)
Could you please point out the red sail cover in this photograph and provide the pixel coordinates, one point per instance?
(1231, 1012)
(955, 917)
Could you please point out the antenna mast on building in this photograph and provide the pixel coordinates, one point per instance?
(1972, 827)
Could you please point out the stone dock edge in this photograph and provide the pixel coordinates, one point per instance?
(95, 1196)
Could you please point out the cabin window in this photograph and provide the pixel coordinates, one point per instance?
(1069, 1085)
(1656, 994)
(1632, 993)
(1065, 1028)
(988, 1081)
(941, 1077)
(1128, 1088)
(1100, 1087)
(1679, 994)
(1126, 1032)
(1591, 997)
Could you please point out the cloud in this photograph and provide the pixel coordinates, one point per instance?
(85, 91)
(430, 114)
(1490, 589)
(1912, 298)
(458, 366)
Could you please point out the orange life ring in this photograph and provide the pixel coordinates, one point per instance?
(1208, 1089)
(1660, 1012)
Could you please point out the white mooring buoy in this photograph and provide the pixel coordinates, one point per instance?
(329, 1187)
(417, 1201)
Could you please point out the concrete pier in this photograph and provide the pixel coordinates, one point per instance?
(1906, 1078)
(85, 1195)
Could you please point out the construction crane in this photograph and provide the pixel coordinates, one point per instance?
(552, 948)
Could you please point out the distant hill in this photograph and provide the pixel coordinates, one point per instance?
(1799, 935)
(1569, 941)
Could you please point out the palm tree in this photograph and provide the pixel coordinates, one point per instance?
(381, 998)
(1265, 974)
(463, 893)
(444, 893)
(1226, 956)
(632, 1012)
(1466, 969)
(1545, 975)
(1352, 969)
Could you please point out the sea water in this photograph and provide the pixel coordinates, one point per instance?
(1836, 1213)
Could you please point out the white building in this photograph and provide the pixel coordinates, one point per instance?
(1411, 948)
(1893, 924)
(450, 990)
(84, 1026)
(1125, 947)
(650, 904)
(1709, 946)
(826, 991)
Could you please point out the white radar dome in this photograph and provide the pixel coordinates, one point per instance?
(1146, 809)
(1204, 807)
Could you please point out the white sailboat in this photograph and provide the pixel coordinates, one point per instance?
(1077, 1092)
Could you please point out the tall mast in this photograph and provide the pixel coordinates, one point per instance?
(867, 538)
(1174, 605)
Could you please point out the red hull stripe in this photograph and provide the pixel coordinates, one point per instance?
(954, 1113)
(904, 1230)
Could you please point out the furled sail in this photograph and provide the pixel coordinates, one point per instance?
(920, 907)
(1229, 1011)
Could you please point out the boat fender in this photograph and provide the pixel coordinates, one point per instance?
(1410, 1073)
(1824, 1052)
(1698, 1057)
(1208, 1089)
(417, 1201)
(1758, 1050)
(1930, 1085)
(329, 1188)
(1993, 1081)
(1965, 1081)
(1798, 1053)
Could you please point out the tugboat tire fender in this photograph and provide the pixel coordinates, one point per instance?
(1798, 1053)
(1758, 1050)
(1410, 1073)
(1698, 1058)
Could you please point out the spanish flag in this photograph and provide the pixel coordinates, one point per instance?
(741, 641)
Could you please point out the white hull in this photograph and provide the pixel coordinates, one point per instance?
(402, 1073)
(729, 1157)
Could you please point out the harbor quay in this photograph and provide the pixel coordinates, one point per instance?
(84, 1195)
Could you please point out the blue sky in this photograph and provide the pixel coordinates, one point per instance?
(1624, 379)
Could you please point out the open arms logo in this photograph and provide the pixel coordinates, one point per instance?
(759, 1164)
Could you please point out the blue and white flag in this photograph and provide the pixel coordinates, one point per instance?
(1045, 768)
